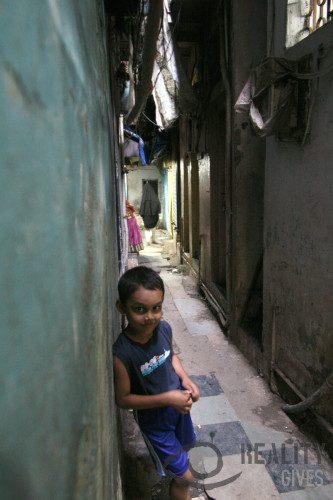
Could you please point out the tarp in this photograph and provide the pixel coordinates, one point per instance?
(159, 146)
(269, 95)
(172, 91)
(133, 146)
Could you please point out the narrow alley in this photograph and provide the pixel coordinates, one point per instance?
(237, 419)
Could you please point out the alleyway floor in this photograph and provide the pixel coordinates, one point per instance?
(250, 449)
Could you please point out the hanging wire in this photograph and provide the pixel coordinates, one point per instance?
(147, 118)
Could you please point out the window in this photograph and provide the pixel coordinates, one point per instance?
(306, 16)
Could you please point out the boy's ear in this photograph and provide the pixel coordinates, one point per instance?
(120, 307)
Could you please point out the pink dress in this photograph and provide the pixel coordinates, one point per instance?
(134, 236)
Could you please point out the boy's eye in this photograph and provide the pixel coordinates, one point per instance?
(157, 308)
(139, 309)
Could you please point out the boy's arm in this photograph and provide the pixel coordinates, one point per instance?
(185, 379)
(179, 400)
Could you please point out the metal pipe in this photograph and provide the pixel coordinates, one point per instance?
(131, 101)
(227, 158)
(148, 57)
(215, 305)
(311, 400)
(306, 402)
(122, 201)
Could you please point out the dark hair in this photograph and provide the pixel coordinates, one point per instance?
(138, 276)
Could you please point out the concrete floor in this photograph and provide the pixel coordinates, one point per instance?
(248, 447)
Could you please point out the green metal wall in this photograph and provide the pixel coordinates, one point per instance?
(58, 253)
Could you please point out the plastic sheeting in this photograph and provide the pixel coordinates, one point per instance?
(133, 147)
(172, 91)
(269, 95)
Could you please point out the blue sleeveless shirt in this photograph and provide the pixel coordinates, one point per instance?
(149, 366)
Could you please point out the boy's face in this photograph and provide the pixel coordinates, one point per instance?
(143, 310)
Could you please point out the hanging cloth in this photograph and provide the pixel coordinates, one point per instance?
(133, 146)
(150, 206)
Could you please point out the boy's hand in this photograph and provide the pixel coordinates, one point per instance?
(190, 386)
(180, 400)
(185, 380)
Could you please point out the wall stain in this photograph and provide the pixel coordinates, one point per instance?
(18, 91)
(238, 152)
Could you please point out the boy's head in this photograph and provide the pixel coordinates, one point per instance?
(135, 278)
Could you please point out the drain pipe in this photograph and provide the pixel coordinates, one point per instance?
(148, 57)
(215, 305)
(311, 400)
(227, 157)
(122, 200)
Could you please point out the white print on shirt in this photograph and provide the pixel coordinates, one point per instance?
(154, 363)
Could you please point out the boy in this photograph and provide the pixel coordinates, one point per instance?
(149, 377)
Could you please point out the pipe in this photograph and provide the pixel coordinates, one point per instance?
(148, 58)
(219, 311)
(307, 402)
(227, 159)
(311, 400)
(131, 101)
(122, 202)
(273, 351)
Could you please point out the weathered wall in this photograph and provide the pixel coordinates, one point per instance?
(248, 45)
(194, 205)
(299, 233)
(247, 164)
(282, 204)
(58, 254)
(205, 217)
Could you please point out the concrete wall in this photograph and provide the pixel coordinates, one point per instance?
(246, 169)
(248, 48)
(299, 232)
(58, 254)
(282, 205)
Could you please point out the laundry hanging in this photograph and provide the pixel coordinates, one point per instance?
(133, 147)
(150, 206)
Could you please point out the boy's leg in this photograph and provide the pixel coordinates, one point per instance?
(171, 447)
(180, 487)
(166, 441)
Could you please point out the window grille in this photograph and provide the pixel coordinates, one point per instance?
(305, 17)
(320, 12)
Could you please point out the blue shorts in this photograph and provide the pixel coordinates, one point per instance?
(168, 432)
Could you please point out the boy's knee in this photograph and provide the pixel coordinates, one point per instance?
(185, 479)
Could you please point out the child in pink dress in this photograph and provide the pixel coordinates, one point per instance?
(134, 237)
